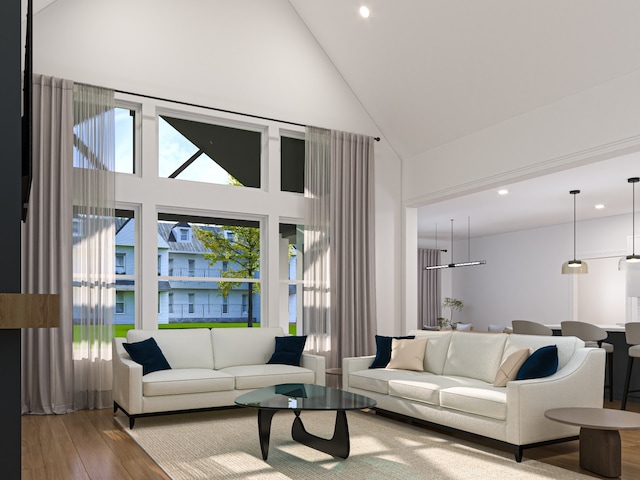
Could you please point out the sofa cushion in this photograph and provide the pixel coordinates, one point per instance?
(258, 376)
(243, 346)
(408, 354)
(475, 355)
(288, 350)
(425, 388)
(383, 350)
(377, 379)
(541, 363)
(510, 367)
(148, 354)
(183, 348)
(484, 400)
(436, 354)
(566, 345)
(186, 380)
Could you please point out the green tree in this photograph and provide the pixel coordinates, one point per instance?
(241, 251)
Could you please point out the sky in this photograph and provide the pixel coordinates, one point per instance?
(173, 151)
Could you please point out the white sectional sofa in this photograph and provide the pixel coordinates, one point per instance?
(456, 389)
(209, 368)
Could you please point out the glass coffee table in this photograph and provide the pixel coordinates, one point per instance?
(298, 397)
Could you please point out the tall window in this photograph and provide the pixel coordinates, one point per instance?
(292, 164)
(214, 279)
(205, 152)
(125, 121)
(189, 186)
(125, 272)
(291, 242)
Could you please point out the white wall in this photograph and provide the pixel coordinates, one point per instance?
(592, 125)
(522, 278)
(251, 56)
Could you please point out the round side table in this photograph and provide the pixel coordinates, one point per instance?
(600, 450)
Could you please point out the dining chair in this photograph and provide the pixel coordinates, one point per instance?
(632, 335)
(527, 327)
(593, 336)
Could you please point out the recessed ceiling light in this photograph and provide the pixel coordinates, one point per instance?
(599, 206)
(364, 12)
(503, 191)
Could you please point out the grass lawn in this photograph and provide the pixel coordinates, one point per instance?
(121, 330)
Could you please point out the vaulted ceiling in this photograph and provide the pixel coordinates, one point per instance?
(430, 72)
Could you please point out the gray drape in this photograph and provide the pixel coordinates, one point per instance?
(47, 370)
(339, 243)
(353, 305)
(93, 245)
(429, 305)
(317, 295)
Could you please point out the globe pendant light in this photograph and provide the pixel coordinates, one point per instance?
(574, 266)
(633, 258)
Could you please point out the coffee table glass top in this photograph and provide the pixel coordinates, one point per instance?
(304, 396)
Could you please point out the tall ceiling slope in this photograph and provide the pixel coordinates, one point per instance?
(430, 71)
(252, 56)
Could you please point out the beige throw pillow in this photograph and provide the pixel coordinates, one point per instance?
(408, 354)
(510, 367)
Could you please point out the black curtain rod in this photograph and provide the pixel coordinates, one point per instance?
(377, 139)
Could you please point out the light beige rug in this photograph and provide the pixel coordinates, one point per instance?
(224, 444)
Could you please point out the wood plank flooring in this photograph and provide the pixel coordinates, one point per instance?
(90, 445)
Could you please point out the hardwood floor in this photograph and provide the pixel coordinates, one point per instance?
(90, 445)
(87, 445)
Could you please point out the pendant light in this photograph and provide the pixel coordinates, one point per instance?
(574, 266)
(468, 263)
(633, 258)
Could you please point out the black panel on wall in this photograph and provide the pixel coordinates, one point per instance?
(10, 199)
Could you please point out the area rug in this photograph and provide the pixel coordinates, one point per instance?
(224, 444)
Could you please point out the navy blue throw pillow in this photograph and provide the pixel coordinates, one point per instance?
(383, 350)
(288, 350)
(541, 363)
(148, 354)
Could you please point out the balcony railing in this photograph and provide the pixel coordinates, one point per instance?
(207, 311)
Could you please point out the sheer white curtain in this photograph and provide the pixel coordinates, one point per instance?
(352, 214)
(47, 369)
(93, 245)
(317, 296)
(339, 275)
(429, 305)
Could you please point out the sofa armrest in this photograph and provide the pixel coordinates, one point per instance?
(354, 364)
(579, 384)
(317, 363)
(127, 379)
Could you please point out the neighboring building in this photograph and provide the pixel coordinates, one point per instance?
(180, 300)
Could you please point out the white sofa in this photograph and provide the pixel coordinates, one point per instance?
(209, 368)
(456, 391)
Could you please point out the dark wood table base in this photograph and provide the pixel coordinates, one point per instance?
(600, 452)
(336, 446)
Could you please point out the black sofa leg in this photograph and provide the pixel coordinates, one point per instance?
(518, 454)
(132, 420)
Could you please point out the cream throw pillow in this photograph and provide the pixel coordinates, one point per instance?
(408, 354)
(510, 367)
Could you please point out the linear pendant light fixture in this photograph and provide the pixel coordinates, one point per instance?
(633, 258)
(468, 263)
(574, 266)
